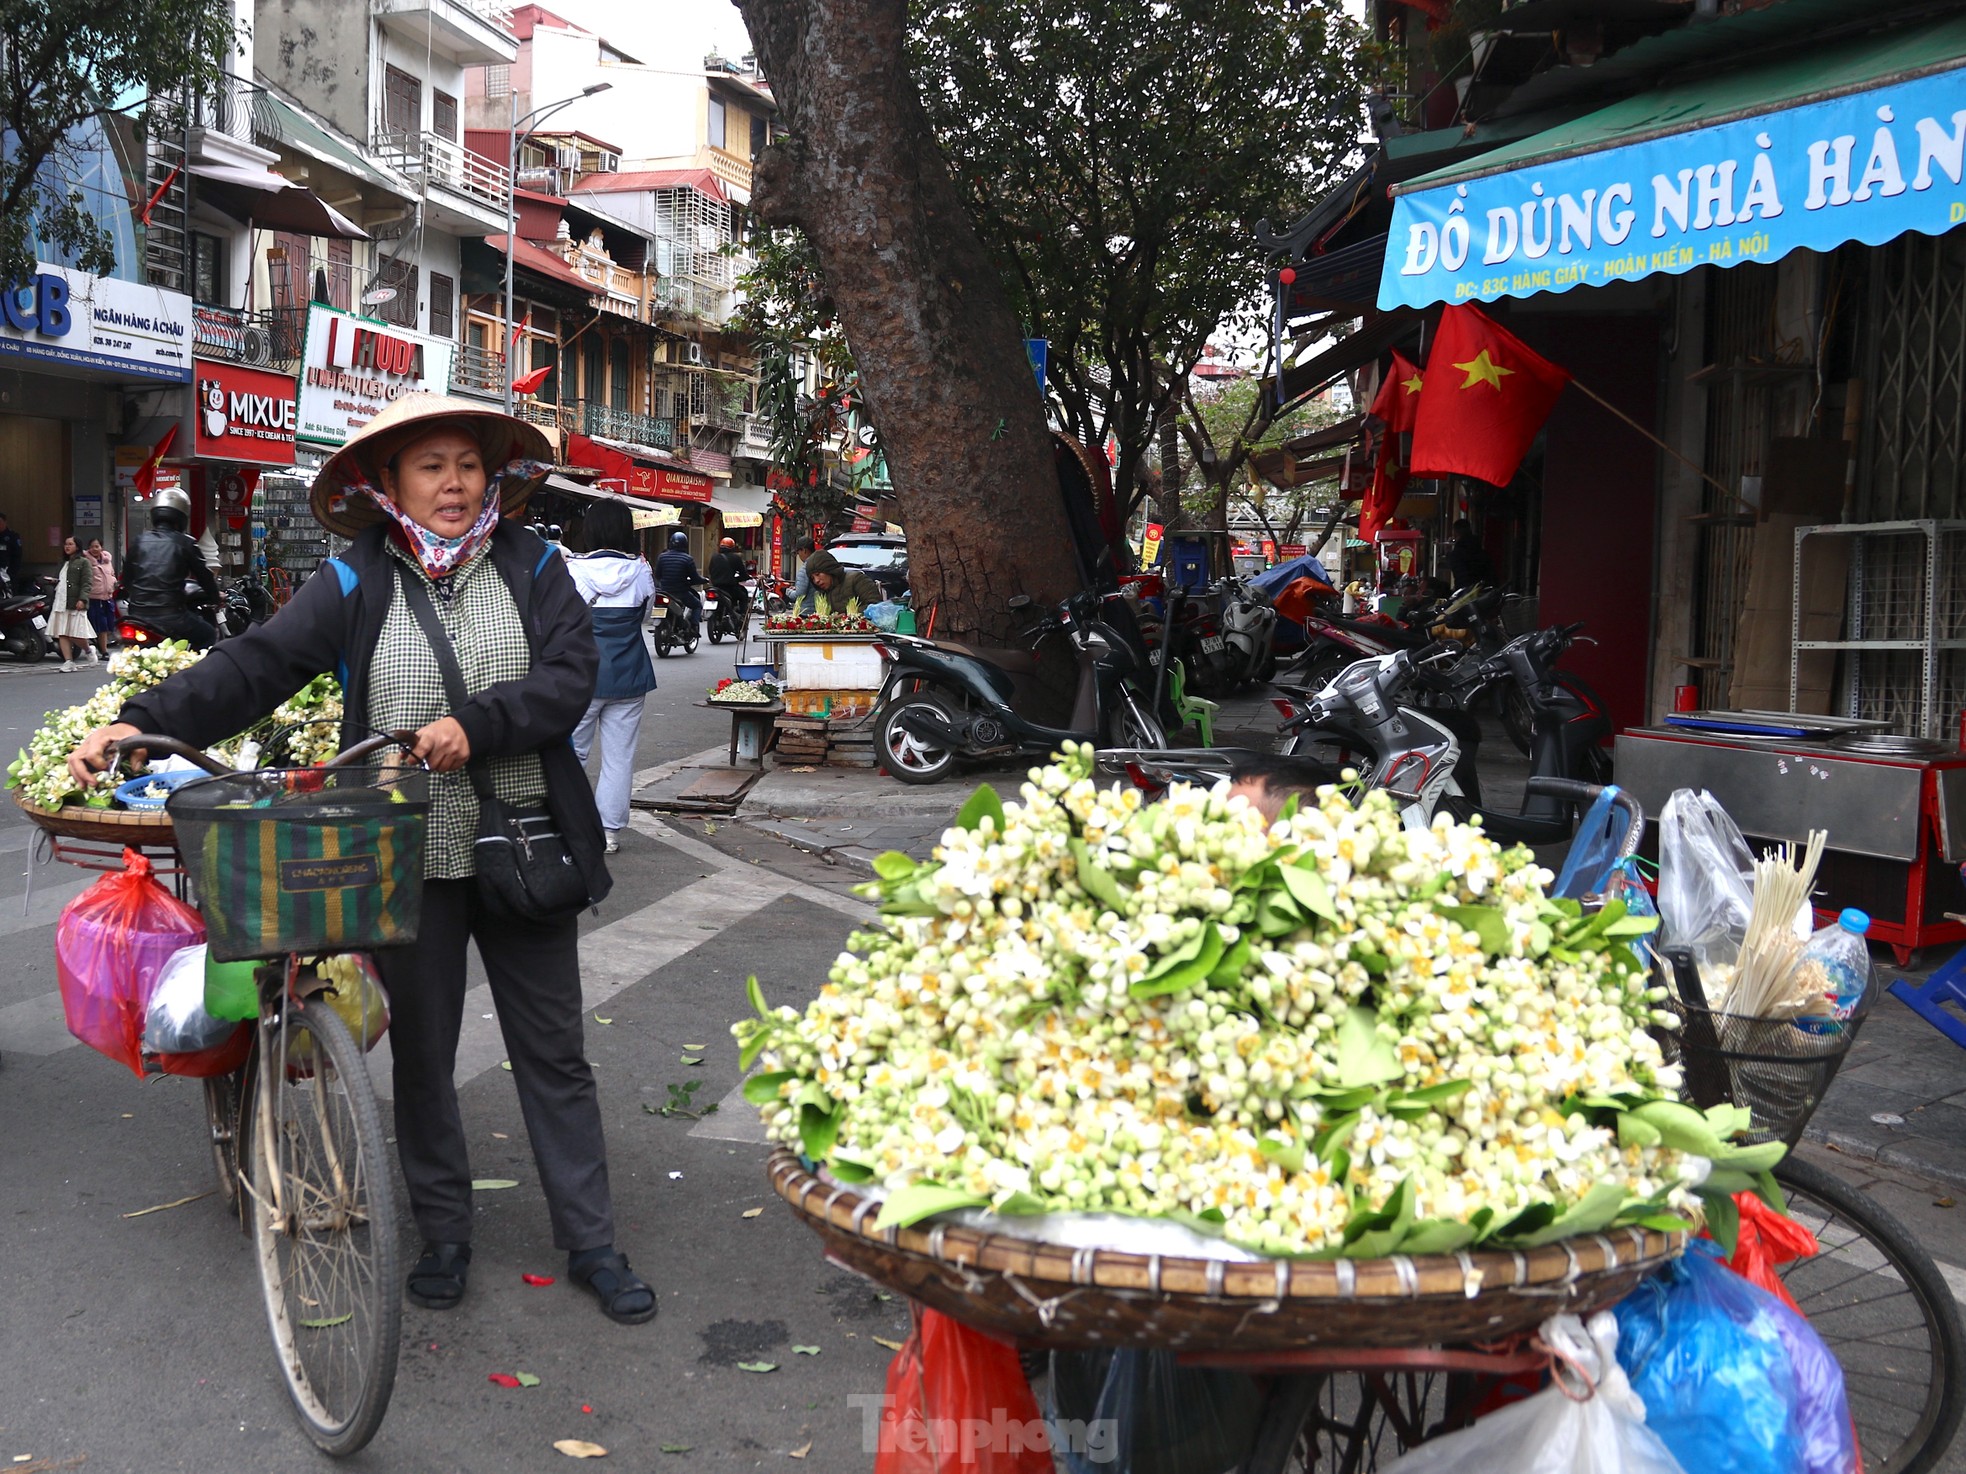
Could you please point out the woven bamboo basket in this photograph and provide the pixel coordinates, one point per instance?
(147, 828)
(1050, 1296)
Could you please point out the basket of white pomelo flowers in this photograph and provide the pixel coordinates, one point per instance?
(1109, 1072)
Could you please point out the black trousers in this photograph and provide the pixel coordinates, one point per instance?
(535, 984)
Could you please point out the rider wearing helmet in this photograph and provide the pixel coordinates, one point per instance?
(676, 576)
(727, 578)
(159, 563)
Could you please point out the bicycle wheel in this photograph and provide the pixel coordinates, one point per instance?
(222, 1121)
(324, 1225)
(1881, 1305)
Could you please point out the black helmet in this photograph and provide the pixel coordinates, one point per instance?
(679, 540)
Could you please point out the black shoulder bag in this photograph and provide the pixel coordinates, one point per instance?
(520, 858)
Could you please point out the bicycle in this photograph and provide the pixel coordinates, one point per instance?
(297, 1137)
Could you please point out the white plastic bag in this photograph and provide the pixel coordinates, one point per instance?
(177, 1022)
(1550, 1433)
(1706, 884)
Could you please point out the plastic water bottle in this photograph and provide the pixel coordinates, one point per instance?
(1840, 950)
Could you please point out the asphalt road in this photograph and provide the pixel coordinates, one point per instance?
(138, 1343)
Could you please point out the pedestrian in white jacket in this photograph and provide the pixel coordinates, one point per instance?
(616, 583)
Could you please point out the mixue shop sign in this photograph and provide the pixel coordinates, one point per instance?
(243, 415)
(355, 368)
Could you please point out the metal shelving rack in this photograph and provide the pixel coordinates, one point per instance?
(1926, 639)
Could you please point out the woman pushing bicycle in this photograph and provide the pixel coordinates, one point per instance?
(446, 618)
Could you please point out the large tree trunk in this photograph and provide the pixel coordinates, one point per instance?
(942, 364)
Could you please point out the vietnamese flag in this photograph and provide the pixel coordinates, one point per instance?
(146, 474)
(1486, 395)
(529, 383)
(1396, 406)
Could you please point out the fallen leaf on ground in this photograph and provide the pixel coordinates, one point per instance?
(599, 1020)
(677, 1448)
(500, 1136)
(327, 1321)
(537, 1279)
(527, 1379)
(160, 1207)
(751, 1212)
(580, 1448)
(757, 1366)
(127, 1116)
(505, 1064)
(486, 1184)
(802, 1450)
(890, 1345)
(504, 1379)
(1942, 1202)
(692, 1059)
(805, 1350)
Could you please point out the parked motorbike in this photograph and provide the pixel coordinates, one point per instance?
(942, 703)
(670, 627)
(1426, 757)
(243, 603)
(24, 622)
(1249, 623)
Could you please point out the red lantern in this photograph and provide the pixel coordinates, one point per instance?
(1287, 275)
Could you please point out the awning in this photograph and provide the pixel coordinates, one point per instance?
(1861, 141)
(263, 197)
(545, 263)
(302, 134)
(645, 472)
(1348, 353)
(752, 504)
(645, 513)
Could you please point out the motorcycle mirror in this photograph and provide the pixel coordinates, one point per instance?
(1019, 602)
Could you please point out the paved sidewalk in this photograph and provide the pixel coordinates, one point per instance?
(1900, 1098)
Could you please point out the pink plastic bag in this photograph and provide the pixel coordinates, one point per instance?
(110, 947)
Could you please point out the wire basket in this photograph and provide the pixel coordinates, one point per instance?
(305, 859)
(1779, 1069)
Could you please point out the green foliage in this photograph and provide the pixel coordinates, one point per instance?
(63, 62)
(1116, 158)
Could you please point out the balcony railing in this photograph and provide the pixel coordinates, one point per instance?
(236, 108)
(621, 424)
(681, 297)
(430, 160)
(757, 433)
(270, 338)
(476, 370)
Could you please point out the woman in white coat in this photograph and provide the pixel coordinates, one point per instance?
(617, 585)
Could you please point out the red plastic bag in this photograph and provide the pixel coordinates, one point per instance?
(959, 1401)
(110, 946)
(1767, 1239)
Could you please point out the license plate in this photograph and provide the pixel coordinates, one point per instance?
(1211, 644)
(40, 623)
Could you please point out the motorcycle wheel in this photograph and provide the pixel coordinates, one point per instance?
(664, 646)
(690, 642)
(33, 647)
(904, 755)
(1133, 726)
(1322, 672)
(716, 634)
(1517, 716)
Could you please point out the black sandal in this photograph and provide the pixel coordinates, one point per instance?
(624, 1295)
(436, 1281)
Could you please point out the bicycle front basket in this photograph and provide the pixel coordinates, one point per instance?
(305, 859)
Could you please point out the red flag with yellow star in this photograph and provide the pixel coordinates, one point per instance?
(1397, 403)
(1486, 395)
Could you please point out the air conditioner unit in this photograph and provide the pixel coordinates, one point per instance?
(692, 352)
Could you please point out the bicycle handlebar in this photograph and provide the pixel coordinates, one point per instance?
(152, 741)
(1587, 793)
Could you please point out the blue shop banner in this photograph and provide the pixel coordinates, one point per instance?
(1867, 166)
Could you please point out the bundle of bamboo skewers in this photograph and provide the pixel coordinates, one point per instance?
(1770, 978)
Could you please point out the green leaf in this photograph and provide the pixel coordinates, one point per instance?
(1362, 1057)
(894, 865)
(979, 804)
(1488, 924)
(757, 1366)
(1632, 926)
(805, 1351)
(763, 1089)
(1437, 1095)
(1726, 1181)
(1634, 1132)
(1662, 1222)
(526, 1379)
(1591, 1214)
(1771, 1192)
(1436, 1236)
(489, 1184)
(757, 996)
(1375, 1233)
(1288, 1155)
(1758, 1158)
(1020, 1205)
(1308, 889)
(1095, 879)
(1185, 953)
(850, 1171)
(922, 1200)
(691, 1059)
(1235, 961)
(1162, 979)
(1723, 1219)
(677, 1448)
(325, 1322)
(1277, 915)
(818, 1130)
(1371, 961)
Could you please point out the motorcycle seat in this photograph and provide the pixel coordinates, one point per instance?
(1015, 662)
(1386, 634)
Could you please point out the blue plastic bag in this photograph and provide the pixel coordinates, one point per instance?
(1732, 1378)
(883, 616)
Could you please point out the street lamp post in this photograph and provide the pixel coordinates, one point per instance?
(515, 138)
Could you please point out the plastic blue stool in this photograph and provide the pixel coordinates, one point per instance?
(1930, 998)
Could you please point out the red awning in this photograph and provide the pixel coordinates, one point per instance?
(663, 483)
(544, 262)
